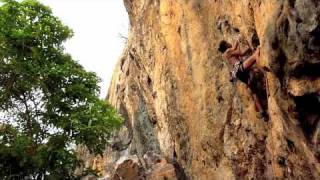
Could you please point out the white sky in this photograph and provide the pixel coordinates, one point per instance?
(97, 25)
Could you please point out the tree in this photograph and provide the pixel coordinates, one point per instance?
(48, 103)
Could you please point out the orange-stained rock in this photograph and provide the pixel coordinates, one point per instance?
(172, 86)
(129, 169)
(162, 171)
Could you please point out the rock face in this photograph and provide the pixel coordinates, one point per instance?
(172, 87)
(150, 167)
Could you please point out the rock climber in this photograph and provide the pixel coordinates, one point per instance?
(241, 67)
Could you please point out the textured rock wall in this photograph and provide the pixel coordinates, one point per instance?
(172, 86)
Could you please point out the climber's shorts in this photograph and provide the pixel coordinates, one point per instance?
(238, 72)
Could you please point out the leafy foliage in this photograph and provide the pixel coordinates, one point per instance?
(48, 102)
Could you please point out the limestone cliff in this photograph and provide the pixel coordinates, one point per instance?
(172, 86)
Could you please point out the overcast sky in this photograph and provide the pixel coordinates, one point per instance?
(97, 25)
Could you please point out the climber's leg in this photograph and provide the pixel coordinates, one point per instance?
(257, 101)
(251, 60)
(314, 130)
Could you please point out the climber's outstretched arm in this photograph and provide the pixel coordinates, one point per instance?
(244, 51)
(235, 47)
(251, 60)
(236, 50)
(240, 52)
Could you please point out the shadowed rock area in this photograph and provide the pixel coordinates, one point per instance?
(172, 86)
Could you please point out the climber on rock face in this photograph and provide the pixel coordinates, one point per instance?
(241, 66)
(234, 55)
